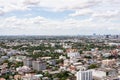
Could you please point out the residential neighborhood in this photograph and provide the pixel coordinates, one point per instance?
(61, 58)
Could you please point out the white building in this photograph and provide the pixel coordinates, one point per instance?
(39, 65)
(84, 75)
(73, 53)
(23, 69)
(99, 74)
(28, 62)
(66, 62)
(62, 57)
(59, 51)
(32, 77)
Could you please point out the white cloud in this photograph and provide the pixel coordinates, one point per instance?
(61, 5)
(107, 14)
(31, 2)
(41, 25)
(1, 12)
(81, 12)
(11, 5)
(81, 7)
(53, 5)
(103, 14)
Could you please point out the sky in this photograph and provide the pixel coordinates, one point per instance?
(59, 17)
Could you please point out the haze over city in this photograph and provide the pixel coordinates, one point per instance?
(59, 17)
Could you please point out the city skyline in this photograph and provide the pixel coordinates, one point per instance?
(59, 17)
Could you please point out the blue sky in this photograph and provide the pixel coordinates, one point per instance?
(59, 17)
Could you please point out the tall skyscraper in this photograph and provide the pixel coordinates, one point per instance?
(84, 75)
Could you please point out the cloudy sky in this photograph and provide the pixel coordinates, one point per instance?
(59, 17)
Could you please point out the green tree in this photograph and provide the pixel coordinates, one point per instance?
(92, 66)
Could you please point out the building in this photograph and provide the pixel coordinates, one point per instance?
(66, 62)
(108, 62)
(38, 65)
(104, 73)
(28, 62)
(99, 74)
(59, 51)
(52, 62)
(23, 69)
(62, 57)
(73, 53)
(31, 77)
(84, 75)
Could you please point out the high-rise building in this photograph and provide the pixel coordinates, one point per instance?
(84, 75)
(28, 62)
(38, 65)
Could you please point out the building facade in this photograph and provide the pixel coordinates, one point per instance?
(84, 75)
(39, 65)
(28, 62)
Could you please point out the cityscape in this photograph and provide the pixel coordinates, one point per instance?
(95, 57)
(59, 39)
